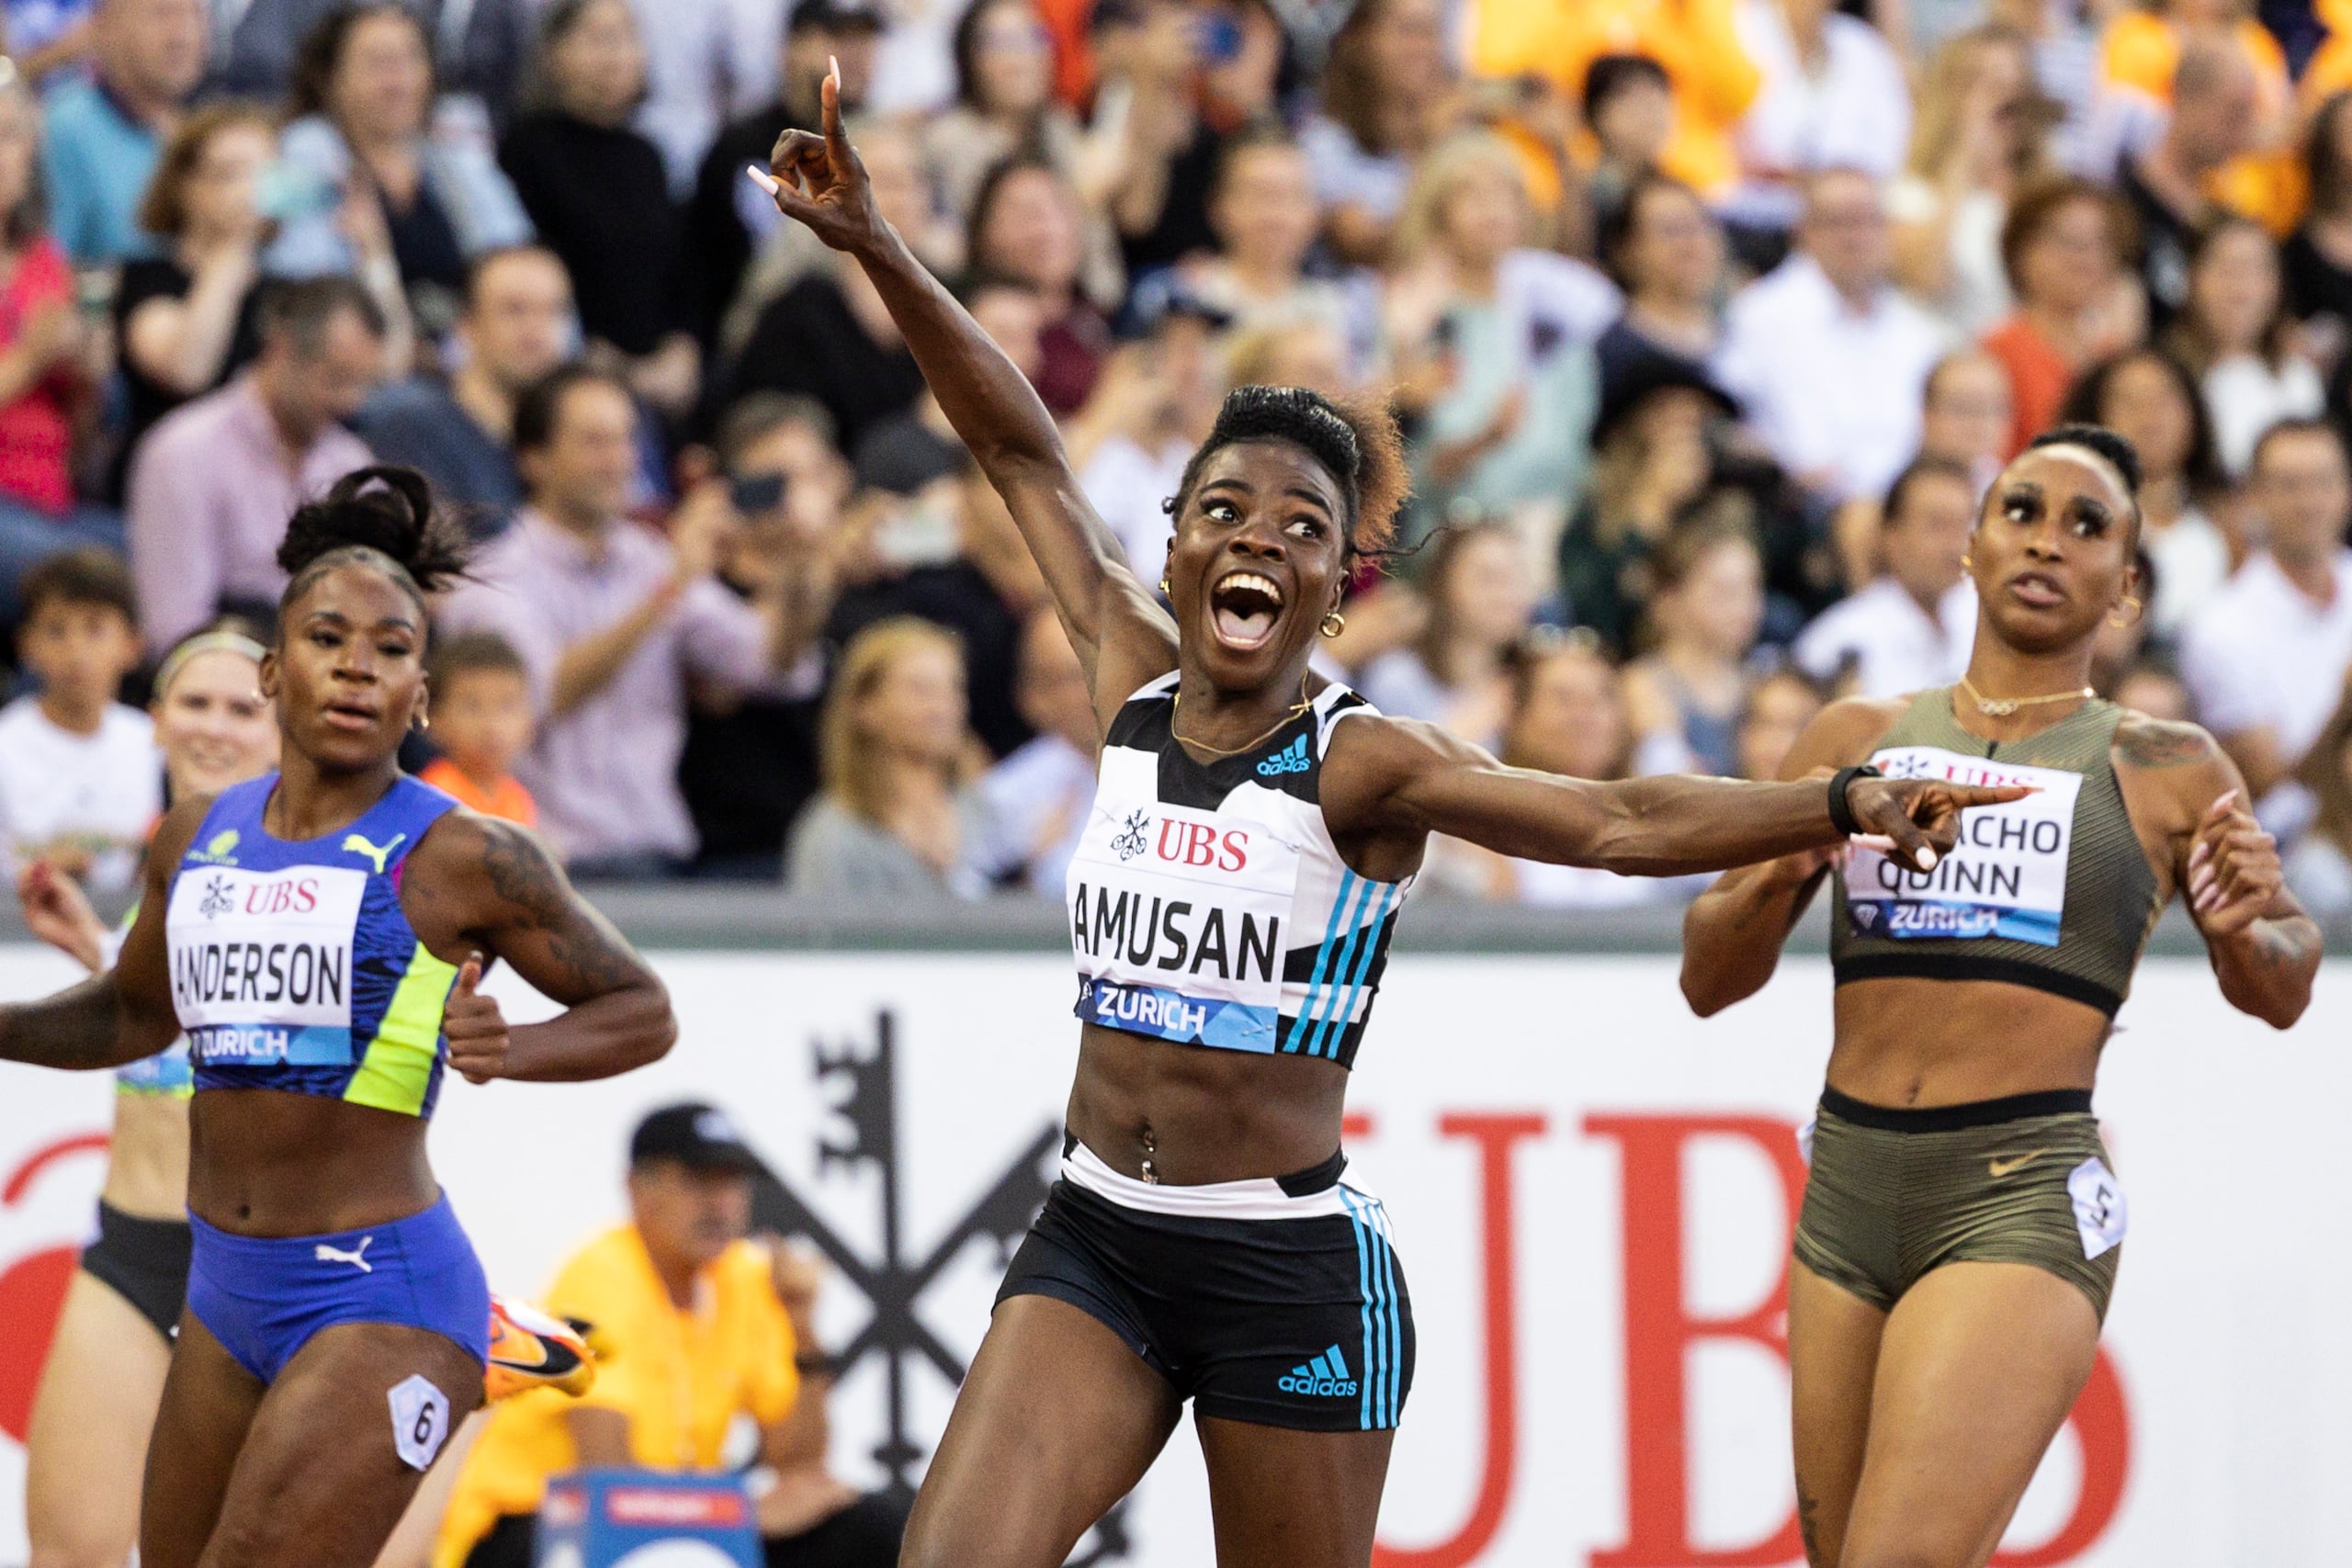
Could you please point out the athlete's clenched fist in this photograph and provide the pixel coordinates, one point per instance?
(474, 1027)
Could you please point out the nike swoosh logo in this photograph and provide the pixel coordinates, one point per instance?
(2004, 1166)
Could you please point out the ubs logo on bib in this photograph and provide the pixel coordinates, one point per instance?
(217, 900)
(1129, 841)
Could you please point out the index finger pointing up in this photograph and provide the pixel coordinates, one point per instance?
(829, 97)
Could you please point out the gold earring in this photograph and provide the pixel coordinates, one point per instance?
(1968, 563)
(422, 722)
(1333, 624)
(2120, 621)
(1164, 591)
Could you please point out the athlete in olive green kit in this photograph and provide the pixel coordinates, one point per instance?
(1962, 1226)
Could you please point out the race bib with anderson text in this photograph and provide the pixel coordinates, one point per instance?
(2006, 877)
(262, 963)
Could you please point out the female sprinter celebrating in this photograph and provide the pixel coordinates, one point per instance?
(1961, 1230)
(105, 1371)
(317, 933)
(1236, 888)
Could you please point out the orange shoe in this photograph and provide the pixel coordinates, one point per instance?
(530, 1349)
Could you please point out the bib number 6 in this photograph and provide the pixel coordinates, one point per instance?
(420, 1421)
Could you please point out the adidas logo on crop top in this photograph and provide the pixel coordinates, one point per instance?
(1207, 903)
(292, 966)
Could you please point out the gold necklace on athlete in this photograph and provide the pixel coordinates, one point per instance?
(2001, 707)
(1176, 711)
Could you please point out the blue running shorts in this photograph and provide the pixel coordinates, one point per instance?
(264, 1297)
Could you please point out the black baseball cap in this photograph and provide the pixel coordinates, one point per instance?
(835, 16)
(1651, 373)
(696, 1135)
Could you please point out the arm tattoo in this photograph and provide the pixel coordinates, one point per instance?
(2279, 944)
(1808, 1522)
(2160, 744)
(538, 899)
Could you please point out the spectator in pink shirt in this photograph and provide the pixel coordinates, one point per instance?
(42, 348)
(214, 482)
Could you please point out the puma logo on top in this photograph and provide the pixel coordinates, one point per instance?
(354, 844)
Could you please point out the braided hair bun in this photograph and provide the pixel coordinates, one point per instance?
(382, 516)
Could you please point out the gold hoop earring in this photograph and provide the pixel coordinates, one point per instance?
(1164, 591)
(1333, 624)
(2119, 621)
(1968, 563)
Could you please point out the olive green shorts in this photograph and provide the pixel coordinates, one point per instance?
(1896, 1193)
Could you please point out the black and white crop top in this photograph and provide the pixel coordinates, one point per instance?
(1207, 903)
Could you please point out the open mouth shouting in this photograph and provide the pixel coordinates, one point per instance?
(1245, 607)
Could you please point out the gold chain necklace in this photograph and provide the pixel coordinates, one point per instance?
(1176, 711)
(2001, 707)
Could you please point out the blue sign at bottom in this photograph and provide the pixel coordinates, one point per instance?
(644, 1519)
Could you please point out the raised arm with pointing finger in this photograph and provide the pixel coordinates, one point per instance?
(1250, 547)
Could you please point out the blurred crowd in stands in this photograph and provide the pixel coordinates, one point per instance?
(1707, 321)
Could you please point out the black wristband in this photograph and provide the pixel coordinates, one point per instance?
(1841, 814)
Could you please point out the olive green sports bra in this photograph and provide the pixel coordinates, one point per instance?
(2053, 891)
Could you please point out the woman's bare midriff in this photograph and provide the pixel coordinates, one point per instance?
(267, 1163)
(1912, 1042)
(147, 1157)
(1200, 1115)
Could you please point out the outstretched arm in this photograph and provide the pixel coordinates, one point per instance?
(1402, 777)
(493, 886)
(819, 181)
(124, 1014)
(1733, 932)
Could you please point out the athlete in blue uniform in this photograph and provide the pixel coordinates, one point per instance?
(317, 934)
(1230, 906)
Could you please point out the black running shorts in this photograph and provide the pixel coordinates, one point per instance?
(1277, 1303)
(144, 1261)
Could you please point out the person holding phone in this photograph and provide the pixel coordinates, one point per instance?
(750, 764)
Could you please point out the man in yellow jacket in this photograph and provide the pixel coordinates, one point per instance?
(1713, 79)
(691, 1326)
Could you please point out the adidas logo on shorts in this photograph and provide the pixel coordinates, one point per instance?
(1327, 1375)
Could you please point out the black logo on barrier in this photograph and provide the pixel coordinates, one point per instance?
(894, 1283)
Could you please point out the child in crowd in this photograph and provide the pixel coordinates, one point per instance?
(481, 722)
(80, 779)
(1629, 109)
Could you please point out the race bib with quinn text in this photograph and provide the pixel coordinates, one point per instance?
(2006, 877)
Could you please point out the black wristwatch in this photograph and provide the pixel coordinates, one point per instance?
(1841, 813)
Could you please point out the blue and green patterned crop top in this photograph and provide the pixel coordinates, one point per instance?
(293, 966)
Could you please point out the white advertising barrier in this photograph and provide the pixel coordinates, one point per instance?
(1592, 1193)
